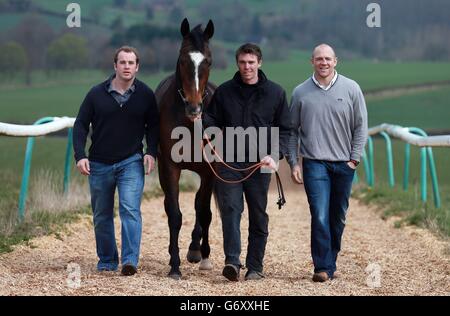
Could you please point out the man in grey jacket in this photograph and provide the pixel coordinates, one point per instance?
(330, 126)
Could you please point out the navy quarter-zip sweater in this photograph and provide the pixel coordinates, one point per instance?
(117, 130)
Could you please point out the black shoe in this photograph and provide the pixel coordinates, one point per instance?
(254, 275)
(129, 269)
(231, 272)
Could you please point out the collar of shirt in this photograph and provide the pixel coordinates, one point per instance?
(326, 88)
(111, 88)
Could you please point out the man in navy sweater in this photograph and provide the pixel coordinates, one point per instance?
(122, 110)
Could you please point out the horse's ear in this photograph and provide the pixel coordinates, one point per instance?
(185, 29)
(209, 31)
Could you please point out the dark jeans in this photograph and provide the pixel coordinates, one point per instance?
(231, 205)
(128, 176)
(328, 187)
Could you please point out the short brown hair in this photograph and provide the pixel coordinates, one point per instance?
(249, 48)
(126, 49)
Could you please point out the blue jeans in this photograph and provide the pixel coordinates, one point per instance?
(328, 186)
(128, 176)
(231, 205)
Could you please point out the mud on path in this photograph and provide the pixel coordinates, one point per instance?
(411, 261)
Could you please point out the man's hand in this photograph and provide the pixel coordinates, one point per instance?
(268, 162)
(351, 165)
(296, 174)
(83, 166)
(149, 161)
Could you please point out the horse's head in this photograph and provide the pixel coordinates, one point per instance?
(193, 66)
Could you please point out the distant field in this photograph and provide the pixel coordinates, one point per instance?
(25, 105)
(134, 15)
(370, 75)
(427, 110)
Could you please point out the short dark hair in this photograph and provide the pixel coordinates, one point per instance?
(126, 49)
(249, 48)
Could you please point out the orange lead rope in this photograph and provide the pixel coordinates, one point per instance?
(253, 168)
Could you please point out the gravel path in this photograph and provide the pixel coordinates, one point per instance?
(377, 259)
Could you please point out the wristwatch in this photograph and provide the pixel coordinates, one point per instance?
(355, 162)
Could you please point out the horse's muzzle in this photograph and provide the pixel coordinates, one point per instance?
(193, 111)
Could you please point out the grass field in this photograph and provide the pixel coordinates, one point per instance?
(51, 98)
(427, 110)
(408, 204)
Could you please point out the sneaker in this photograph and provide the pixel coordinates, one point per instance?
(254, 275)
(128, 269)
(320, 277)
(231, 272)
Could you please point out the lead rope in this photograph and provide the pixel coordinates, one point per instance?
(281, 200)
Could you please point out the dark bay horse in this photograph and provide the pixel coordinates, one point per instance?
(181, 97)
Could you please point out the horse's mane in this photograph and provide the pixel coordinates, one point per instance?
(162, 88)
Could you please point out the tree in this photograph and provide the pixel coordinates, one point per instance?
(34, 35)
(14, 59)
(120, 3)
(15, 5)
(176, 14)
(67, 52)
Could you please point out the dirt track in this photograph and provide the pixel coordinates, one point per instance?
(411, 260)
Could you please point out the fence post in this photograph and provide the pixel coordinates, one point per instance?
(371, 163)
(406, 167)
(428, 152)
(26, 169)
(68, 161)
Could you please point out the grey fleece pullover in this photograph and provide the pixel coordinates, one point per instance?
(329, 125)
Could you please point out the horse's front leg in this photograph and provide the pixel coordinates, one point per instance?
(169, 175)
(203, 215)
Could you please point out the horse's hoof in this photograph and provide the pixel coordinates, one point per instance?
(205, 264)
(194, 256)
(175, 275)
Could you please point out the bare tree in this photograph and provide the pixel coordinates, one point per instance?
(34, 35)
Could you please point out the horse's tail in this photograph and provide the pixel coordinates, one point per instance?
(216, 201)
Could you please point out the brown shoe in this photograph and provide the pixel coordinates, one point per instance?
(320, 277)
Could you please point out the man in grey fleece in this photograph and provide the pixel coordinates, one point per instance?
(329, 121)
